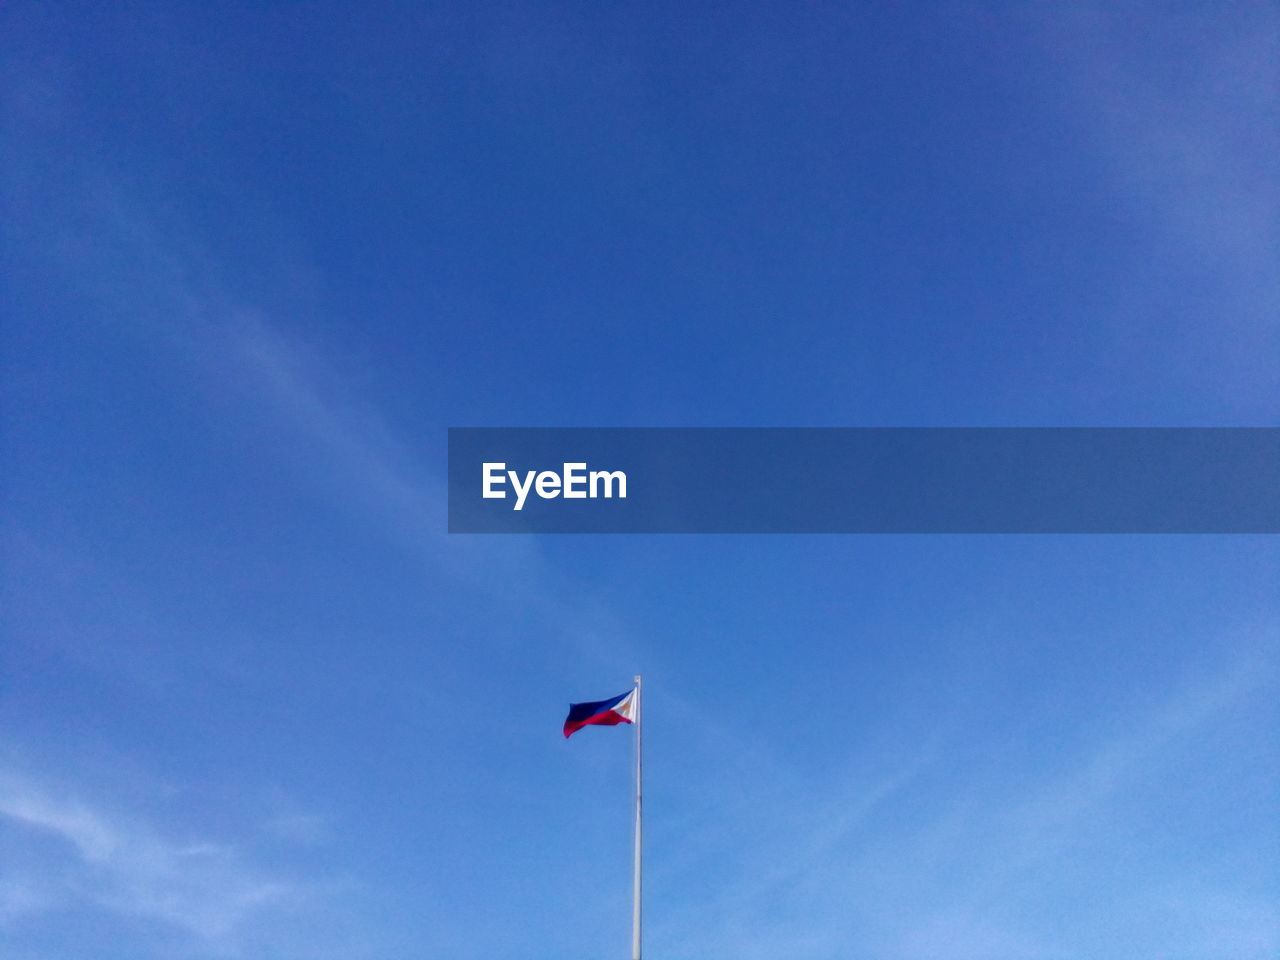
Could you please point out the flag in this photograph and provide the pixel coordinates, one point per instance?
(620, 709)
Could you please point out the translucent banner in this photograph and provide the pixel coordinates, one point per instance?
(864, 480)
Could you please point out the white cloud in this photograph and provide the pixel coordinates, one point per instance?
(126, 866)
(1180, 113)
(925, 860)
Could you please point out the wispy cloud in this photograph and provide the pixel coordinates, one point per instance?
(928, 859)
(1180, 115)
(124, 865)
(123, 249)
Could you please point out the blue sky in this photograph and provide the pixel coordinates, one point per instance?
(255, 702)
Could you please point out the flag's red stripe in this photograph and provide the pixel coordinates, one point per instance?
(606, 718)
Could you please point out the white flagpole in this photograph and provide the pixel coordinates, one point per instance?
(635, 908)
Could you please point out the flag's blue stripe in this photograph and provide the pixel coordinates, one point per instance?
(581, 711)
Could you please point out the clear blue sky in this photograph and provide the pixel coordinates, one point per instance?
(255, 702)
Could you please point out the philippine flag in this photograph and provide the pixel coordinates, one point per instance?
(620, 709)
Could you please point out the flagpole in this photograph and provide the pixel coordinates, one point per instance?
(635, 907)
